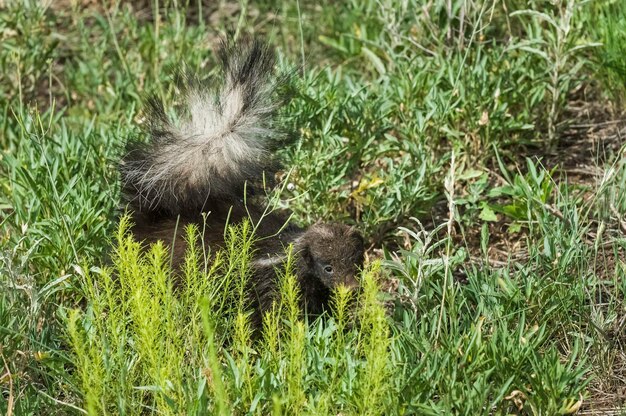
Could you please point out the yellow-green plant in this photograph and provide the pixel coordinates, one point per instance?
(156, 341)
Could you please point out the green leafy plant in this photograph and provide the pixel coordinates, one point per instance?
(525, 193)
(552, 40)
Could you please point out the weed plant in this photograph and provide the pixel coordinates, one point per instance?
(149, 341)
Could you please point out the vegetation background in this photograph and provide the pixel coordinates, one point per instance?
(477, 144)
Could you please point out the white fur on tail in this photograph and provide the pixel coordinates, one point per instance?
(223, 142)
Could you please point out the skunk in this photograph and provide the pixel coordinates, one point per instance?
(203, 171)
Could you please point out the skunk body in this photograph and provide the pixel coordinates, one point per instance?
(208, 162)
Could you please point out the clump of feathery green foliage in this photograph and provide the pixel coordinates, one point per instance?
(149, 341)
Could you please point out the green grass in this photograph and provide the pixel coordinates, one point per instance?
(444, 130)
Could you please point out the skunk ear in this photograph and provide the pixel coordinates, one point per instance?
(307, 256)
(358, 243)
(357, 238)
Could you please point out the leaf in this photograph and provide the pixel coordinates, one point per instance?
(534, 51)
(332, 43)
(585, 46)
(487, 214)
(470, 174)
(515, 227)
(539, 15)
(366, 184)
(499, 191)
(547, 251)
(572, 406)
(53, 286)
(376, 61)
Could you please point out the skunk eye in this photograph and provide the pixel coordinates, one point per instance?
(328, 269)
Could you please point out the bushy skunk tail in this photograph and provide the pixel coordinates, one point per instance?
(226, 140)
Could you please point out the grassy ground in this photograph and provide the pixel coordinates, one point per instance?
(478, 145)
